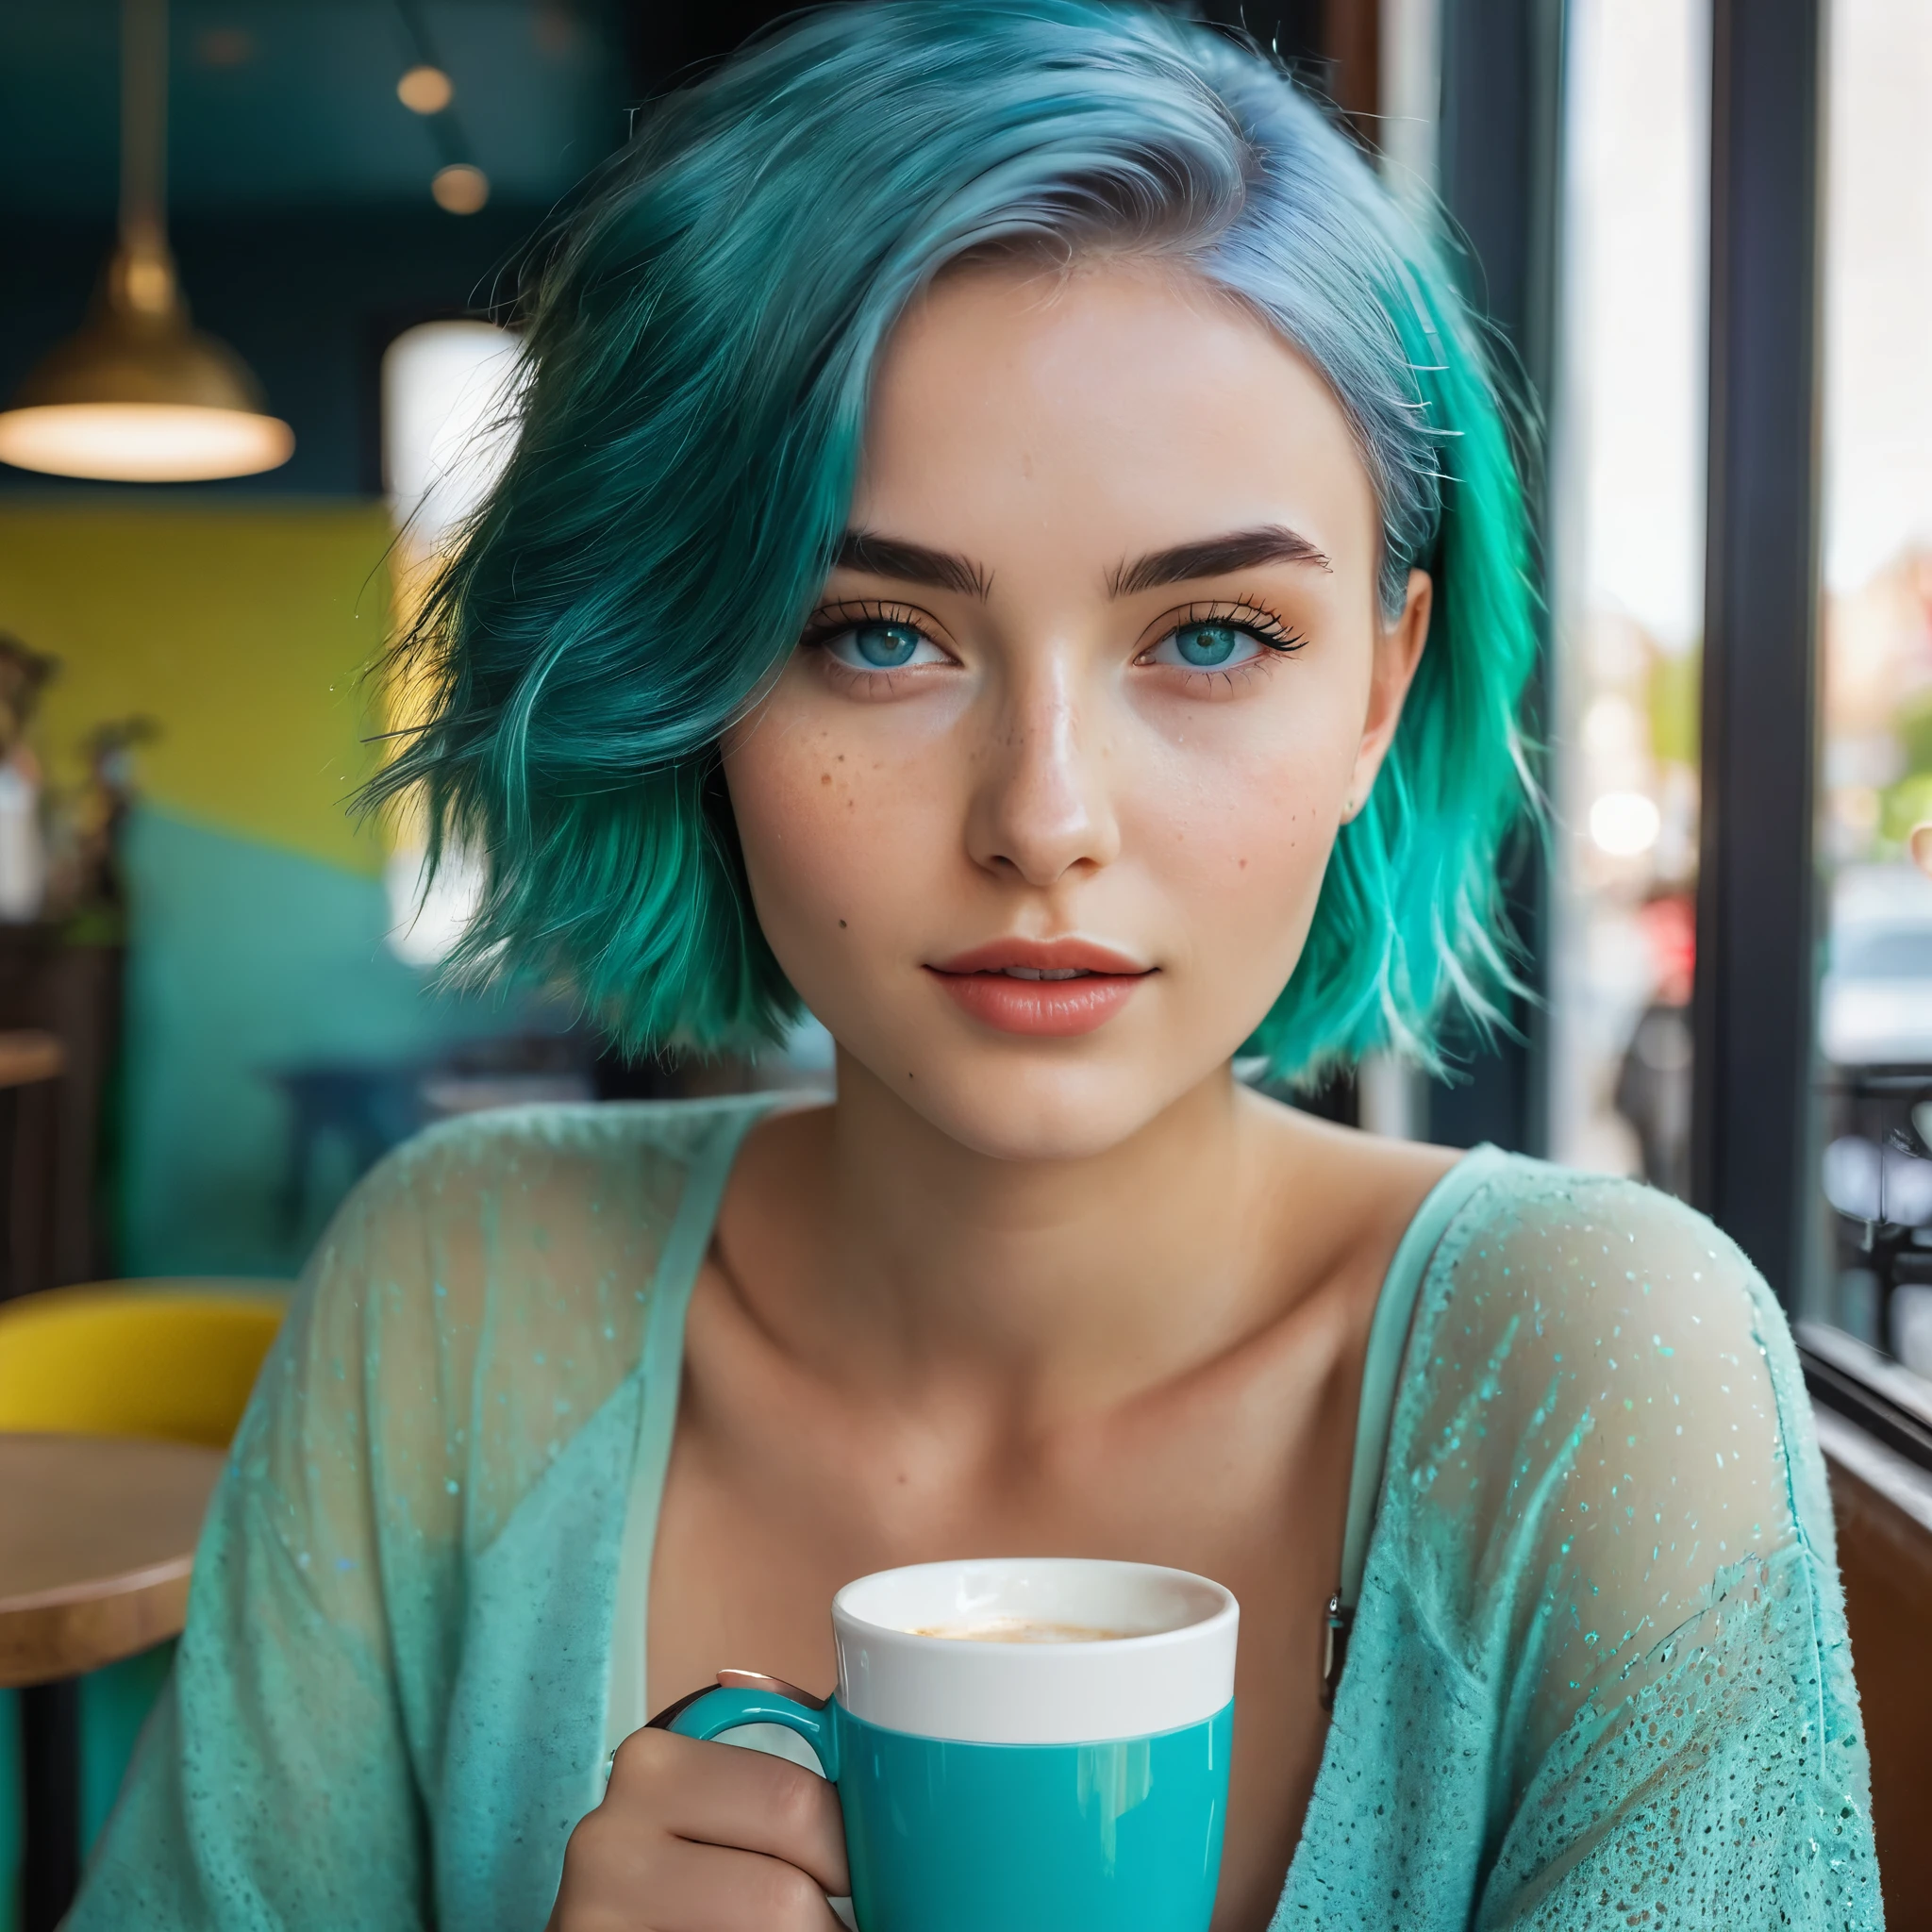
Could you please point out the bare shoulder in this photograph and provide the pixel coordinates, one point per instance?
(1338, 1199)
(781, 1173)
(785, 1148)
(1370, 1180)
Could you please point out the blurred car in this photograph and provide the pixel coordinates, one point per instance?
(1876, 1001)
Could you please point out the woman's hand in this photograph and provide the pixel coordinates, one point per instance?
(704, 1837)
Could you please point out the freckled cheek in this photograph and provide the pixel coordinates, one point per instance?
(1238, 822)
(1242, 839)
(831, 830)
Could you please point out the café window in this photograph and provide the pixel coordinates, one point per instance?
(449, 395)
(1626, 554)
(1871, 1260)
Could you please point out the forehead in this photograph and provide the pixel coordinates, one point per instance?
(1118, 403)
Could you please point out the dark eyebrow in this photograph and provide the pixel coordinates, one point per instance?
(1215, 556)
(911, 563)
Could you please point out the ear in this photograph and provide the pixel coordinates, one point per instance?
(1398, 651)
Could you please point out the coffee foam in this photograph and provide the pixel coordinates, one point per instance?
(1020, 1630)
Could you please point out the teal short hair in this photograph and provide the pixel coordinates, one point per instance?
(702, 338)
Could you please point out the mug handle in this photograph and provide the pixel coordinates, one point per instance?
(747, 1697)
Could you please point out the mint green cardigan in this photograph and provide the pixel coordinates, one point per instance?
(1598, 1676)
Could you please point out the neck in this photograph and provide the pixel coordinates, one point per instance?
(1062, 1283)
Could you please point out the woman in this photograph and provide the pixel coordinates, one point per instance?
(1011, 547)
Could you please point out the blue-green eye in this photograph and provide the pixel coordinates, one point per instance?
(877, 644)
(1213, 645)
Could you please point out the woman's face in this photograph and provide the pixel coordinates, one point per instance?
(1097, 678)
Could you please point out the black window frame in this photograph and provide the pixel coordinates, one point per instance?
(1755, 1080)
(1755, 998)
(1756, 1075)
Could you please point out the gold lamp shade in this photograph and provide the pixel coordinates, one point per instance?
(138, 395)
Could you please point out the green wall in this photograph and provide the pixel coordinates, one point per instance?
(249, 960)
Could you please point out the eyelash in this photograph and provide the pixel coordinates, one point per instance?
(833, 620)
(1268, 628)
(830, 619)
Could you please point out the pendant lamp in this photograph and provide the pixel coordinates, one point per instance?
(138, 395)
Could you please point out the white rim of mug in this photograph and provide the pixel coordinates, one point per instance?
(1228, 1610)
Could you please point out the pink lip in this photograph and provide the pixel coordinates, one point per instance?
(1046, 1008)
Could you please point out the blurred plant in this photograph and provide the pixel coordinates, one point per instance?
(1903, 806)
(1914, 727)
(23, 673)
(88, 892)
(1675, 705)
(23, 837)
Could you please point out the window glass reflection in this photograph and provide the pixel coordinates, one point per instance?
(1628, 577)
(1874, 1008)
(450, 391)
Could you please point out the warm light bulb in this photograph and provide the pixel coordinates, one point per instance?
(142, 443)
(459, 189)
(425, 89)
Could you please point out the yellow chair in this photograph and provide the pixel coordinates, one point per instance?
(175, 1360)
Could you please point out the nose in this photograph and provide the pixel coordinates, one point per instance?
(1042, 808)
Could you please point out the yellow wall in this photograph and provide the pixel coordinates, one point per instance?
(256, 910)
(242, 631)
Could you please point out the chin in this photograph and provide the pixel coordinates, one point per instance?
(1033, 1103)
(1046, 1117)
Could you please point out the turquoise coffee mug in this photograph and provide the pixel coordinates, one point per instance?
(1032, 1744)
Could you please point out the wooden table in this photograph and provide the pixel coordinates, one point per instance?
(27, 1059)
(97, 1537)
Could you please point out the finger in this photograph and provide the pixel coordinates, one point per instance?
(722, 1795)
(705, 1888)
(620, 1878)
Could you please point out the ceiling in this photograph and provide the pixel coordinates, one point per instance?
(292, 103)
